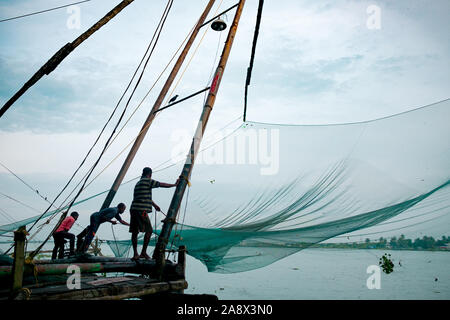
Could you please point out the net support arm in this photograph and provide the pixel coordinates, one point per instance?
(62, 53)
(186, 172)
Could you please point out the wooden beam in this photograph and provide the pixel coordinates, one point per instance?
(180, 268)
(62, 53)
(157, 104)
(170, 286)
(129, 266)
(117, 291)
(19, 260)
(169, 221)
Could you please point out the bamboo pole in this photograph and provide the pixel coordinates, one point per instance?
(252, 58)
(157, 104)
(19, 259)
(62, 53)
(84, 259)
(169, 221)
(170, 286)
(129, 266)
(117, 292)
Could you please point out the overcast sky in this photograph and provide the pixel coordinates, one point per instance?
(316, 62)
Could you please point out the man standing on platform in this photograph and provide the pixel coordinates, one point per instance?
(141, 207)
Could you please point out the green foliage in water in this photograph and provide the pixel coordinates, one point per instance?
(386, 263)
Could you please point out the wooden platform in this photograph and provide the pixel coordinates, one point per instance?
(98, 288)
(101, 278)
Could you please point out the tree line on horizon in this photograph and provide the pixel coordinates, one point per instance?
(424, 243)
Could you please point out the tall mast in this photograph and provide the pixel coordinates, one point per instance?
(152, 114)
(170, 220)
(59, 56)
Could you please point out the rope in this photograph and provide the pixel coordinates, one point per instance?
(43, 11)
(205, 148)
(62, 53)
(19, 202)
(162, 22)
(107, 122)
(123, 150)
(165, 215)
(25, 183)
(115, 240)
(178, 236)
(164, 168)
(156, 81)
(129, 118)
(6, 215)
(126, 147)
(190, 60)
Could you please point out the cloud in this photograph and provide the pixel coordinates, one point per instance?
(316, 62)
(315, 54)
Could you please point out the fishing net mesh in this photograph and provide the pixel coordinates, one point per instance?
(266, 191)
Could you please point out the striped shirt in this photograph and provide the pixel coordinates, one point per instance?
(142, 198)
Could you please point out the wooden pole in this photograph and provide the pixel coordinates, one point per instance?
(19, 259)
(170, 220)
(252, 58)
(152, 114)
(62, 53)
(126, 265)
(117, 292)
(180, 268)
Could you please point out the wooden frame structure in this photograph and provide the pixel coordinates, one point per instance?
(49, 279)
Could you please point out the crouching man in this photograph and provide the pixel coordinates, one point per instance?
(63, 233)
(97, 218)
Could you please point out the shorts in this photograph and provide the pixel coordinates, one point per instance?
(140, 222)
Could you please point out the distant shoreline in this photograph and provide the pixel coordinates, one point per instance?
(340, 246)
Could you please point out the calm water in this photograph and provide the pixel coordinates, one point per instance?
(330, 274)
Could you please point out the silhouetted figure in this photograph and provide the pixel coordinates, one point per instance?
(97, 219)
(61, 234)
(140, 208)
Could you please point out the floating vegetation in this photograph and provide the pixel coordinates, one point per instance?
(386, 263)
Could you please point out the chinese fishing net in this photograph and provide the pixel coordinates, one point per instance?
(265, 191)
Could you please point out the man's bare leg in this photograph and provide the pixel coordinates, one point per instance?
(145, 245)
(134, 237)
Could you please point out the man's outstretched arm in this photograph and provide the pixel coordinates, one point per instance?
(124, 223)
(118, 218)
(168, 185)
(121, 221)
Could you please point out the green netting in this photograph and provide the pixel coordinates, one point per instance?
(15, 225)
(267, 191)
